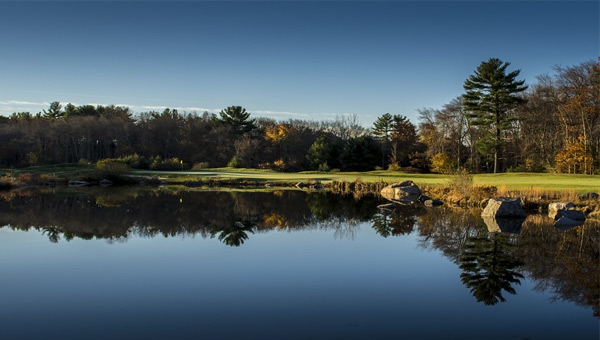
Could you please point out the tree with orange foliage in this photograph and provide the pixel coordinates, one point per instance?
(574, 158)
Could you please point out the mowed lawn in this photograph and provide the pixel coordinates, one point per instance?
(579, 183)
(510, 180)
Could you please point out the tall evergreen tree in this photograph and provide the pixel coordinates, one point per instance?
(55, 111)
(489, 101)
(382, 130)
(404, 139)
(238, 118)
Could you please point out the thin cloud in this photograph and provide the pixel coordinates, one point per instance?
(21, 102)
(278, 113)
(7, 107)
(102, 96)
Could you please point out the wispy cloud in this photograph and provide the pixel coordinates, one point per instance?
(9, 106)
(278, 113)
(103, 96)
(21, 102)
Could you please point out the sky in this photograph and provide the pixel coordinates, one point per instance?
(300, 60)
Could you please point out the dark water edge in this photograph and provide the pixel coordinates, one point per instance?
(149, 263)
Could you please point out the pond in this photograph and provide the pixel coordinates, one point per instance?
(122, 263)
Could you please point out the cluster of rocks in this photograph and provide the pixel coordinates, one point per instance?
(501, 214)
(407, 193)
(506, 214)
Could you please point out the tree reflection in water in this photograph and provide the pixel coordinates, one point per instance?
(236, 235)
(564, 262)
(395, 222)
(488, 268)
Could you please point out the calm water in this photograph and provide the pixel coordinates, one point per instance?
(149, 264)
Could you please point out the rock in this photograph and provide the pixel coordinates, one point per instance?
(403, 184)
(504, 207)
(317, 186)
(433, 203)
(566, 223)
(570, 214)
(106, 182)
(406, 191)
(553, 208)
(504, 225)
(300, 185)
(589, 196)
(389, 206)
(78, 183)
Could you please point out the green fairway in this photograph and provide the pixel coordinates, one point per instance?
(510, 180)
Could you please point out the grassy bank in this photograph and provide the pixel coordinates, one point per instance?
(508, 181)
(504, 182)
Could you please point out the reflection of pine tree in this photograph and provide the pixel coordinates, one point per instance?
(400, 221)
(52, 232)
(235, 235)
(403, 220)
(381, 223)
(488, 269)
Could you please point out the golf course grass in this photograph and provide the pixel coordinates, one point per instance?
(511, 181)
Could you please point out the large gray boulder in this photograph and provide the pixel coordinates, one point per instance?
(504, 207)
(406, 192)
(554, 208)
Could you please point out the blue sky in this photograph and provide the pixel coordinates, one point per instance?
(306, 60)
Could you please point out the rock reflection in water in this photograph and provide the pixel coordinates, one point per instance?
(503, 225)
(562, 262)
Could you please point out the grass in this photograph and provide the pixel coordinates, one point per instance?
(505, 181)
(510, 181)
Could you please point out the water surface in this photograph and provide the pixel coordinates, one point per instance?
(155, 264)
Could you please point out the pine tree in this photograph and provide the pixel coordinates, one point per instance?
(382, 130)
(238, 118)
(489, 101)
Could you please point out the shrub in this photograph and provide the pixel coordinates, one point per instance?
(323, 167)
(279, 165)
(394, 167)
(200, 166)
(441, 163)
(461, 182)
(136, 161)
(166, 164)
(112, 166)
(235, 162)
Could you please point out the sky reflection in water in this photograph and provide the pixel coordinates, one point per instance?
(309, 266)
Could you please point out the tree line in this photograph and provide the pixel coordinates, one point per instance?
(497, 125)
